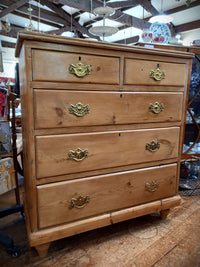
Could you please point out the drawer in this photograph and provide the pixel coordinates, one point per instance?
(138, 71)
(72, 153)
(59, 108)
(73, 200)
(102, 69)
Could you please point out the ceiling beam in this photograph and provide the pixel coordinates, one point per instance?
(13, 32)
(44, 14)
(46, 17)
(132, 3)
(182, 8)
(130, 40)
(149, 7)
(130, 20)
(69, 20)
(121, 4)
(118, 16)
(79, 4)
(171, 11)
(7, 44)
(11, 8)
(61, 30)
(187, 26)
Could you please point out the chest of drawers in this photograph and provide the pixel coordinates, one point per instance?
(102, 133)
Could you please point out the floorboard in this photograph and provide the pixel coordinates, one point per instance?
(141, 242)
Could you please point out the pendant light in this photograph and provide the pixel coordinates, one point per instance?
(162, 18)
(30, 26)
(104, 12)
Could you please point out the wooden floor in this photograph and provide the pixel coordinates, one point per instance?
(145, 241)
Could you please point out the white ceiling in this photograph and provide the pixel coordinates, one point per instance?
(188, 15)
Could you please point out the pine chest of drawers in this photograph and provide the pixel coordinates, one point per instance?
(102, 133)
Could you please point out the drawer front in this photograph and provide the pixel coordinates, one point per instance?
(71, 153)
(139, 72)
(73, 200)
(58, 108)
(54, 66)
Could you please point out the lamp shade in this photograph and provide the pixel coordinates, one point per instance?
(104, 11)
(103, 30)
(161, 18)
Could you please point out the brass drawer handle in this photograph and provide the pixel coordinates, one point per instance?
(156, 107)
(153, 146)
(79, 109)
(78, 154)
(79, 69)
(79, 202)
(152, 186)
(157, 74)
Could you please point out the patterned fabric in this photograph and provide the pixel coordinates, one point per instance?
(3, 103)
(5, 138)
(7, 175)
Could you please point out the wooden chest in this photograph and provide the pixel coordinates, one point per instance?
(102, 133)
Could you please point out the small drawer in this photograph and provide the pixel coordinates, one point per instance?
(73, 200)
(72, 153)
(146, 72)
(79, 68)
(60, 108)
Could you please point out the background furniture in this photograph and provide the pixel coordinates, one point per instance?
(102, 127)
(5, 240)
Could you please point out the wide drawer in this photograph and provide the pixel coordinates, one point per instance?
(72, 153)
(73, 200)
(139, 72)
(54, 66)
(59, 108)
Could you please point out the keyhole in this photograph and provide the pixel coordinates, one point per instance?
(120, 95)
(79, 58)
(119, 134)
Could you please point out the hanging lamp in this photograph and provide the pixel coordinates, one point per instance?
(104, 31)
(30, 26)
(162, 18)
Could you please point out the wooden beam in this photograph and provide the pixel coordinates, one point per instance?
(182, 8)
(77, 14)
(46, 17)
(187, 26)
(13, 32)
(44, 14)
(132, 3)
(68, 18)
(149, 7)
(130, 40)
(128, 3)
(8, 44)
(118, 16)
(79, 4)
(23, 15)
(61, 30)
(130, 20)
(11, 8)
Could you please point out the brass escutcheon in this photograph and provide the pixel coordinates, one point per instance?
(79, 69)
(153, 146)
(152, 186)
(78, 154)
(157, 74)
(79, 109)
(156, 107)
(79, 202)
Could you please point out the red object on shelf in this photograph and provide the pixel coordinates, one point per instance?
(6, 79)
